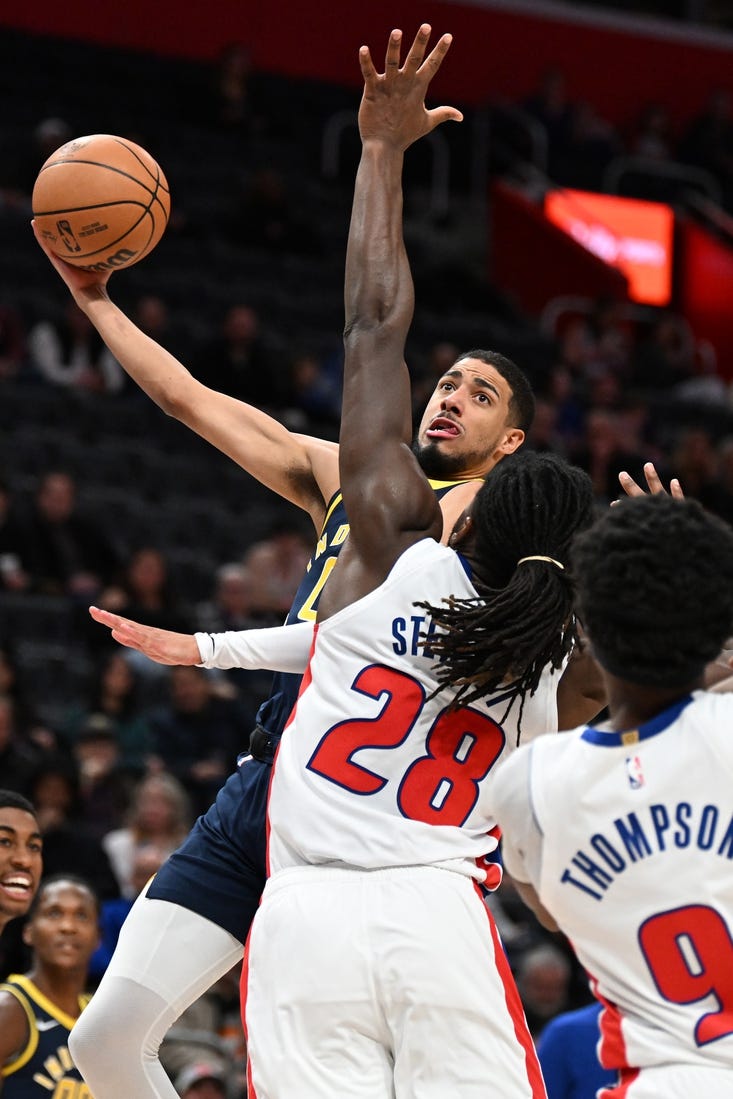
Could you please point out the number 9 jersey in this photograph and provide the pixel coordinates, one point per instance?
(627, 837)
(374, 772)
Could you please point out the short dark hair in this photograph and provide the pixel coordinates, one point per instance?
(654, 579)
(522, 403)
(69, 879)
(10, 799)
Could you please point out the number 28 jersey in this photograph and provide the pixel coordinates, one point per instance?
(372, 771)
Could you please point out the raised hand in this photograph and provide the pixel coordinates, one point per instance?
(393, 104)
(654, 484)
(163, 646)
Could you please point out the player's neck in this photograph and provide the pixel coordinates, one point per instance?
(633, 704)
(62, 988)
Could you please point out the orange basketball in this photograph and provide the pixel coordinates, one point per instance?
(101, 202)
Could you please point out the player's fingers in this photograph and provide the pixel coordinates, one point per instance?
(414, 58)
(434, 60)
(629, 485)
(366, 64)
(444, 114)
(105, 617)
(392, 60)
(676, 489)
(123, 637)
(653, 480)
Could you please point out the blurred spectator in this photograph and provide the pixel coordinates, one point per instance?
(562, 391)
(18, 756)
(652, 136)
(198, 735)
(543, 435)
(603, 454)
(568, 1058)
(591, 144)
(708, 141)
(543, 980)
(69, 352)
(147, 860)
(116, 694)
(229, 106)
(160, 814)
(12, 343)
(21, 159)
(13, 574)
(666, 358)
(239, 361)
(276, 566)
(721, 502)
(152, 316)
(549, 105)
(232, 608)
(695, 462)
(316, 390)
(146, 593)
(25, 719)
(209, 1033)
(68, 846)
(203, 1080)
(105, 788)
(231, 605)
(267, 216)
(65, 552)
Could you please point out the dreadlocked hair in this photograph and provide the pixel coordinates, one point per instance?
(522, 620)
(654, 582)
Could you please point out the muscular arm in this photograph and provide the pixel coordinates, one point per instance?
(387, 497)
(14, 1031)
(301, 469)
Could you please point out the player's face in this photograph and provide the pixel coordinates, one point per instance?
(464, 430)
(64, 928)
(20, 862)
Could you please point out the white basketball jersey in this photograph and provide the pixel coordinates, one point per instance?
(637, 868)
(372, 772)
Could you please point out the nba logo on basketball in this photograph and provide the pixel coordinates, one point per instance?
(635, 773)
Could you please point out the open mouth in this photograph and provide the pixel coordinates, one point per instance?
(443, 428)
(19, 888)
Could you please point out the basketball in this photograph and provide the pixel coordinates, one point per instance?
(101, 202)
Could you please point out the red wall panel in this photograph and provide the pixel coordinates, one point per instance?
(497, 52)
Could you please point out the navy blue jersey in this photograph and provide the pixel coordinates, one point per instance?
(43, 1068)
(273, 714)
(219, 871)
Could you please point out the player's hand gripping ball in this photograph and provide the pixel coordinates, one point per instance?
(101, 202)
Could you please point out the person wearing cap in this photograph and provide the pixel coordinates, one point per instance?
(202, 1080)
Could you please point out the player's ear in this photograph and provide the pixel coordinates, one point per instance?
(513, 439)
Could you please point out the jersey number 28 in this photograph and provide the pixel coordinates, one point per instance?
(439, 787)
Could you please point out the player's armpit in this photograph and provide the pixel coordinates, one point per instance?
(529, 895)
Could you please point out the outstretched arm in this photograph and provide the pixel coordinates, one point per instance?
(387, 497)
(277, 648)
(297, 467)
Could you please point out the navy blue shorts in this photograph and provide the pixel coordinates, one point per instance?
(219, 869)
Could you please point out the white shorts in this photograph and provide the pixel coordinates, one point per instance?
(382, 984)
(674, 1081)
